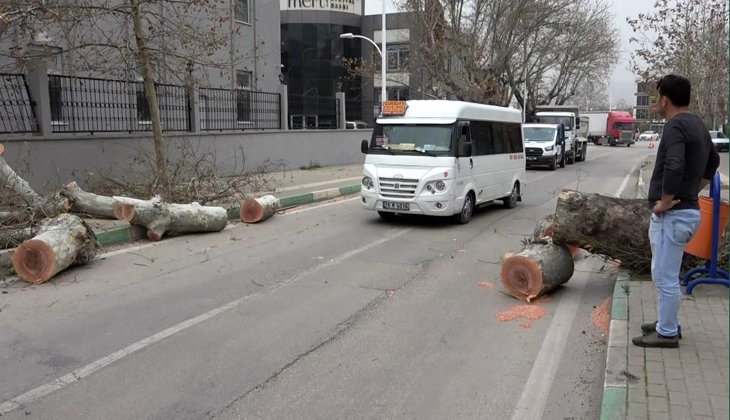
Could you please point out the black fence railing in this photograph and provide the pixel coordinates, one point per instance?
(92, 105)
(361, 114)
(308, 112)
(16, 107)
(239, 109)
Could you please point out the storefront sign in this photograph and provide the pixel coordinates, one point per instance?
(346, 6)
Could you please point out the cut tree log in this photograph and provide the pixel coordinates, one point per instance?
(160, 217)
(35, 206)
(538, 269)
(255, 210)
(63, 241)
(615, 227)
(84, 202)
(10, 238)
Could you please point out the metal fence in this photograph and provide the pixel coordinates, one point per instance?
(16, 107)
(91, 105)
(239, 109)
(362, 113)
(307, 112)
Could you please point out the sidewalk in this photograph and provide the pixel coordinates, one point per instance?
(689, 383)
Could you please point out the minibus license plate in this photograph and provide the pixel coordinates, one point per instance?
(531, 158)
(396, 206)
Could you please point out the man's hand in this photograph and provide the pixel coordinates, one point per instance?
(663, 205)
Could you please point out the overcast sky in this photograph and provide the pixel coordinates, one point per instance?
(622, 81)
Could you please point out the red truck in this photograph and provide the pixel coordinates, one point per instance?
(612, 127)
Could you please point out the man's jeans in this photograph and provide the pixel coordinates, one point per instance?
(668, 234)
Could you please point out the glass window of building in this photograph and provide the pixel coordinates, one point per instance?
(242, 11)
(398, 56)
(243, 96)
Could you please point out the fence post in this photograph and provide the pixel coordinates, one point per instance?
(40, 98)
(193, 95)
(284, 107)
(341, 111)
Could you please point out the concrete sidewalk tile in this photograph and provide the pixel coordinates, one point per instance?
(722, 415)
(676, 385)
(719, 403)
(656, 378)
(654, 415)
(657, 390)
(654, 355)
(678, 398)
(638, 395)
(654, 367)
(679, 412)
(712, 377)
(717, 389)
(659, 404)
(673, 373)
(637, 410)
(701, 408)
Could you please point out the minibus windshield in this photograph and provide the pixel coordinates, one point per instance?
(409, 138)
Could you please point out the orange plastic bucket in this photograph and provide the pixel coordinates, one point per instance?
(701, 244)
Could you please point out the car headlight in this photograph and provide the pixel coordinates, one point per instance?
(436, 186)
(550, 148)
(367, 182)
(440, 185)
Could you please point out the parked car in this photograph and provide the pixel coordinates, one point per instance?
(649, 136)
(720, 141)
(357, 125)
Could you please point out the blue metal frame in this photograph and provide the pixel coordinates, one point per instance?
(716, 275)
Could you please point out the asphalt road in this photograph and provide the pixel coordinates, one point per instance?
(323, 313)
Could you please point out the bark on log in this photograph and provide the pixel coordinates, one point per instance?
(62, 242)
(259, 209)
(36, 207)
(10, 238)
(536, 270)
(84, 202)
(615, 227)
(159, 217)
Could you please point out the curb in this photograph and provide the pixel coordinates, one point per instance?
(615, 385)
(130, 233)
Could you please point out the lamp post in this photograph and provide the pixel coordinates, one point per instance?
(383, 94)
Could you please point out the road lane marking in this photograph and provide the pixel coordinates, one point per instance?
(537, 388)
(626, 180)
(93, 367)
(531, 404)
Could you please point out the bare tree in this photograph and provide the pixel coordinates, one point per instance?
(495, 50)
(690, 38)
(161, 39)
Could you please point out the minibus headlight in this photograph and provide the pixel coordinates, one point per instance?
(440, 185)
(367, 182)
(549, 148)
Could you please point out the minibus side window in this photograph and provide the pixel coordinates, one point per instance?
(514, 135)
(481, 138)
(499, 135)
(464, 139)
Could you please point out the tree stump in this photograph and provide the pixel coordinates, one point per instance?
(615, 227)
(84, 202)
(255, 210)
(160, 217)
(538, 269)
(63, 241)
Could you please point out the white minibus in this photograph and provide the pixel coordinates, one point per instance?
(443, 158)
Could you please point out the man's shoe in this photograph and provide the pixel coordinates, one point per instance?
(647, 328)
(654, 339)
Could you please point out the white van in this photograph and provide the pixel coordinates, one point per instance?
(443, 158)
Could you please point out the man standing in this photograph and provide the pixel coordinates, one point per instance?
(686, 162)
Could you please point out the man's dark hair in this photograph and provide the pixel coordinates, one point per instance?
(676, 88)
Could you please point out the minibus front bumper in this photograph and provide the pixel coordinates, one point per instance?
(429, 205)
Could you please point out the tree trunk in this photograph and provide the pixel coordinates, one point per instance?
(258, 209)
(615, 227)
(159, 217)
(148, 77)
(10, 238)
(84, 202)
(62, 242)
(36, 207)
(536, 270)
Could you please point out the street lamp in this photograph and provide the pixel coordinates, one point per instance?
(383, 92)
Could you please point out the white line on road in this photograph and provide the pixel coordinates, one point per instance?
(537, 388)
(626, 180)
(92, 367)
